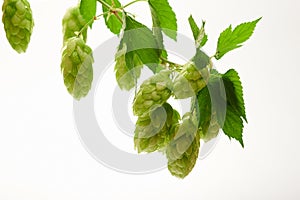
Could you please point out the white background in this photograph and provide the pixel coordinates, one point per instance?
(41, 156)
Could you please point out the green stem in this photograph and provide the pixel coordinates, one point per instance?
(133, 3)
(105, 4)
(89, 22)
(210, 61)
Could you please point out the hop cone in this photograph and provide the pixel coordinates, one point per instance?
(190, 81)
(213, 129)
(153, 131)
(126, 77)
(154, 91)
(76, 66)
(183, 150)
(18, 23)
(72, 23)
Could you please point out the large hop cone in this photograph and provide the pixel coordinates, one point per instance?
(190, 81)
(153, 131)
(72, 23)
(18, 23)
(76, 66)
(183, 150)
(213, 129)
(154, 91)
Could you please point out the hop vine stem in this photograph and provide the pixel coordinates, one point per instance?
(91, 21)
(105, 4)
(133, 2)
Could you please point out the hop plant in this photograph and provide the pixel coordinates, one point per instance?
(72, 24)
(18, 23)
(76, 66)
(182, 152)
(158, 127)
(213, 129)
(154, 91)
(153, 131)
(190, 81)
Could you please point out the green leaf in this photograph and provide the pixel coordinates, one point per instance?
(157, 32)
(230, 40)
(112, 22)
(234, 92)
(199, 33)
(164, 15)
(88, 9)
(233, 126)
(146, 48)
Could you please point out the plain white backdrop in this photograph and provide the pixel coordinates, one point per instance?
(41, 156)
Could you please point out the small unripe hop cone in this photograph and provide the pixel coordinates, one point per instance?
(190, 81)
(18, 23)
(72, 24)
(76, 66)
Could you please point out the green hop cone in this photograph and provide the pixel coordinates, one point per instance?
(190, 81)
(18, 23)
(76, 66)
(72, 24)
(154, 91)
(126, 77)
(152, 131)
(213, 129)
(183, 150)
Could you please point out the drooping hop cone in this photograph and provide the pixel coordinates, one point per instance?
(190, 81)
(18, 23)
(76, 66)
(153, 131)
(213, 129)
(72, 24)
(154, 91)
(182, 152)
(126, 77)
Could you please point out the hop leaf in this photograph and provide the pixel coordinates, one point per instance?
(18, 23)
(72, 23)
(76, 66)
(182, 152)
(190, 81)
(154, 91)
(154, 130)
(232, 39)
